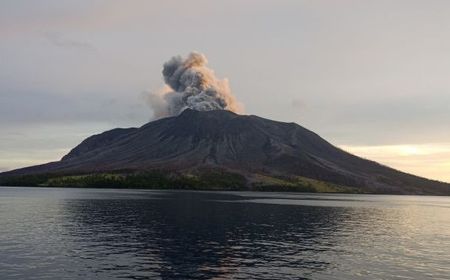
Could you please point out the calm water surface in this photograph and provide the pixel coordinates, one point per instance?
(139, 234)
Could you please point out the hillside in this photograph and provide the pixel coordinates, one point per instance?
(195, 142)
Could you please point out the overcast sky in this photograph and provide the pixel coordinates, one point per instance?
(370, 76)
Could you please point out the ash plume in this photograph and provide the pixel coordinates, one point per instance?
(191, 84)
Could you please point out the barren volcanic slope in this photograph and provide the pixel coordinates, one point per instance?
(248, 145)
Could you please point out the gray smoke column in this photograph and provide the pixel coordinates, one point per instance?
(191, 84)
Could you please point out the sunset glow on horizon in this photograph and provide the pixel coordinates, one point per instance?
(426, 160)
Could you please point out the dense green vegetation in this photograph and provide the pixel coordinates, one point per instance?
(206, 180)
(25, 180)
(298, 184)
(212, 179)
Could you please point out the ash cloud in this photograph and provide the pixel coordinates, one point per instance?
(191, 84)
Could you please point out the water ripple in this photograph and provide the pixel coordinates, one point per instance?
(134, 234)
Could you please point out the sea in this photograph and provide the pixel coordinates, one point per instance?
(69, 233)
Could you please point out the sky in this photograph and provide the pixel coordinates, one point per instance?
(371, 77)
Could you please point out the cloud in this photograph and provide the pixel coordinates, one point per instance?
(59, 40)
(191, 84)
(29, 108)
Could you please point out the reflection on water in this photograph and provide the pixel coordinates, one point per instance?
(126, 234)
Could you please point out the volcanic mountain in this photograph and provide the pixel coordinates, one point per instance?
(248, 145)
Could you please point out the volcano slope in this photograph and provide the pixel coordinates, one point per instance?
(260, 152)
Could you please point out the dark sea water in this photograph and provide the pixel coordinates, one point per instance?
(139, 234)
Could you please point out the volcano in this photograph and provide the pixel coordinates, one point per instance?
(248, 145)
